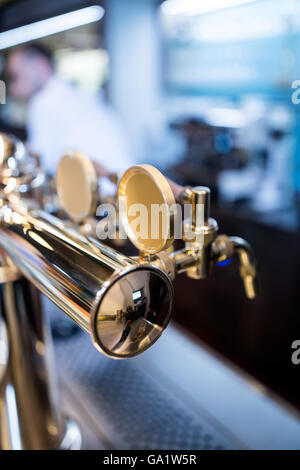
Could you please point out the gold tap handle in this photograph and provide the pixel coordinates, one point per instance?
(77, 194)
(145, 185)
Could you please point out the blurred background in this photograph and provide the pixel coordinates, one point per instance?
(205, 91)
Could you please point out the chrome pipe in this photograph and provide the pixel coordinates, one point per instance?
(123, 305)
(28, 383)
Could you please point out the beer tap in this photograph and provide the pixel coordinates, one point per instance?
(124, 303)
(203, 246)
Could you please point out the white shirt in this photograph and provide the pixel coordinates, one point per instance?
(61, 118)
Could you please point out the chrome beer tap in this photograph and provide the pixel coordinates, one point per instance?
(124, 306)
(123, 303)
(30, 413)
(210, 248)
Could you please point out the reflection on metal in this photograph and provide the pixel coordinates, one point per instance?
(123, 303)
(8, 271)
(20, 173)
(125, 324)
(30, 415)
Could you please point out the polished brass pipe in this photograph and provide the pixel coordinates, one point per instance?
(124, 306)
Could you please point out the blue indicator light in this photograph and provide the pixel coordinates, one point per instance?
(224, 263)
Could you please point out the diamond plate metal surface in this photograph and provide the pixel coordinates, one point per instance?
(132, 407)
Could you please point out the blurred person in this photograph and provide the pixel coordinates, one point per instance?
(61, 117)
